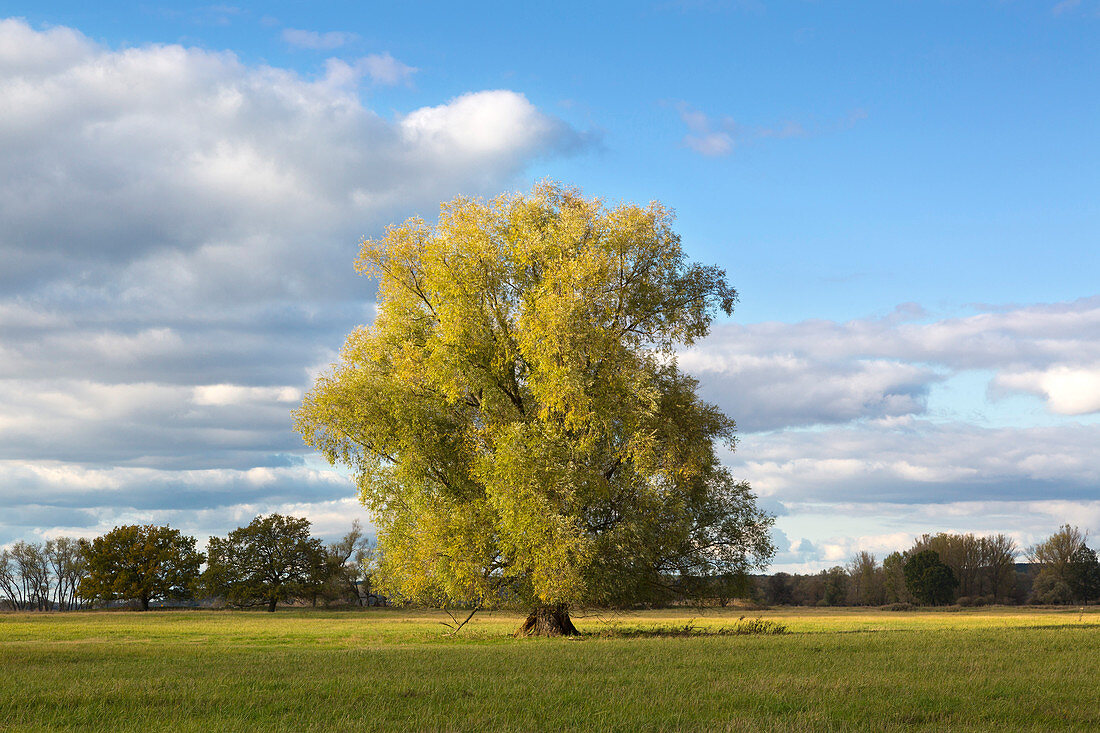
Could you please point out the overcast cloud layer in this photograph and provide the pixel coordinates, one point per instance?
(176, 236)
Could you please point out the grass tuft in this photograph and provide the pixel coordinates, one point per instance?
(744, 627)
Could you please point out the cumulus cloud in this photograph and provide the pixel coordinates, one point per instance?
(776, 375)
(482, 125)
(1067, 390)
(769, 391)
(213, 172)
(177, 229)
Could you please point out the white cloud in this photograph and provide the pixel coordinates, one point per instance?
(921, 462)
(196, 165)
(381, 69)
(317, 41)
(25, 50)
(765, 391)
(480, 124)
(775, 375)
(233, 394)
(714, 137)
(710, 144)
(385, 69)
(1068, 390)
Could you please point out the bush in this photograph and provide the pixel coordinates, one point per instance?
(898, 607)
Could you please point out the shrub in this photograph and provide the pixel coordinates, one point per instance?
(898, 607)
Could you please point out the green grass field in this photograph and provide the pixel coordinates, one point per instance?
(1000, 669)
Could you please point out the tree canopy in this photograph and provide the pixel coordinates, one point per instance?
(142, 562)
(515, 417)
(929, 579)
(273, 559)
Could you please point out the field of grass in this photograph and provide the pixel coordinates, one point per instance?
(987, 669)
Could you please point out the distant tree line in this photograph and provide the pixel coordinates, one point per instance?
(946, 568)
(272, 560)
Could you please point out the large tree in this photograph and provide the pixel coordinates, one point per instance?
(515, 417)
(273, 559)
(142, 562)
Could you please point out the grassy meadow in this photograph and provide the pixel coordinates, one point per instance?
(386, 669)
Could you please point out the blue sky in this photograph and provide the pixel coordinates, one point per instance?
(905, 195)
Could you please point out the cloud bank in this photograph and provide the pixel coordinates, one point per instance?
(837, 422)
(177, 230)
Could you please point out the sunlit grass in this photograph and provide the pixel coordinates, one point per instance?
(305, 670)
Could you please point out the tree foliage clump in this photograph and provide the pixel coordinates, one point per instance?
(273, 559)
(1068, 570)
(985, 566)
(349, 565)
(929, 579)
(1050, 589)
(141, 562)
(515, 417)
(1082, 575)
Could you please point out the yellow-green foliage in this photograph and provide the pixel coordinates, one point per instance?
(514, 415)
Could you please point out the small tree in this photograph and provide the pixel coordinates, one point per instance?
(835, 585)
(142, 562)
(1082, 575)
(24, 576)
(68, 561)
(865, 587)
(780, 590)
(929, 579)
(273, 559)
(350, 562)
(893, 573)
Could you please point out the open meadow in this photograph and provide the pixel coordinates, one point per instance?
(387, 669)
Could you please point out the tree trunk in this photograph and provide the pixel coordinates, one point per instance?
(271, 605)
(548, 621)
(144, 603)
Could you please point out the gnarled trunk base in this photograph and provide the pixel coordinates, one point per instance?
(548, 621)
